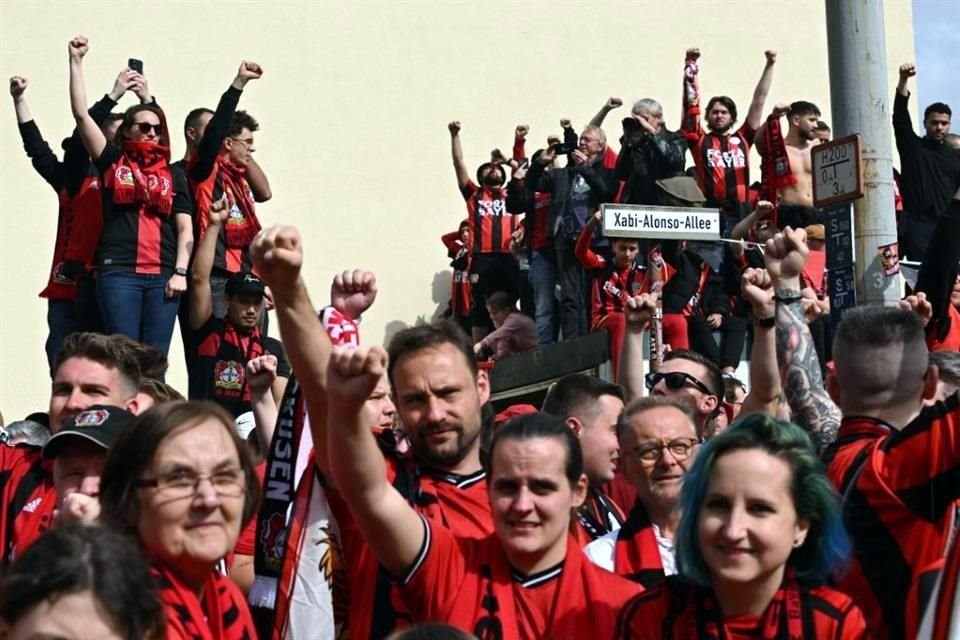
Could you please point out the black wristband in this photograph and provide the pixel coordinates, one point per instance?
(766, 323)
(180, 271)
(787, 299)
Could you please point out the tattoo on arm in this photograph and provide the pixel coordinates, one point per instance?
(809, 402)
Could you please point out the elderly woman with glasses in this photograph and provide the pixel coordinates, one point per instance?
(147, 233)
(760, 536)
(180, 481)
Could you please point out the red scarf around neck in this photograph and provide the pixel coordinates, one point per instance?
(142, 176)
(222, 615)
(636, 554)
(242, 225)
(783, 619)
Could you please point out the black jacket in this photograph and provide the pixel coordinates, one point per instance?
(560, 182)
(655, 157)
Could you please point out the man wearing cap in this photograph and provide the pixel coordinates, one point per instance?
(222, 347)
(78, 451)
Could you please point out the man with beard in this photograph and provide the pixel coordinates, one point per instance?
(222, 347)
(658, 437)
(929, 167)
(438, 391)
(491, 226)
(722, 157)
(789, 164)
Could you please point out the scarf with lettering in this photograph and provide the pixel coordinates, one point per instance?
(285, 513)
(636, 554)
(222, 613)
(775, 172)
(142, 177)
(242, 224)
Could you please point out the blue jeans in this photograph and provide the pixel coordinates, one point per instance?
(62, 320)
(135, 305)
(543, 279)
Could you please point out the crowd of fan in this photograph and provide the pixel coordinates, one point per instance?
(368, 492)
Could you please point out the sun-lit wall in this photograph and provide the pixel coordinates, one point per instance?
(354, 107)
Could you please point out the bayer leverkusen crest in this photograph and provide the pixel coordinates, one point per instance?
(228, 374)
(93, 418)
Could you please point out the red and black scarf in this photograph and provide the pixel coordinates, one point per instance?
(142, 176)
(221, 614)
(775, 172)
(231, 348)
(240, 230)
(636, 554)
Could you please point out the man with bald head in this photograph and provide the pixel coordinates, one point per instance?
(658, 440)
(894, 461)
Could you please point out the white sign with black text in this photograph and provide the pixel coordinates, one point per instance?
(837, 173)
(673, 223)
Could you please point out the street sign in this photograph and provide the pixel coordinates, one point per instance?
(672, 223)
(839, 235)
(837, 171)
(843, 292)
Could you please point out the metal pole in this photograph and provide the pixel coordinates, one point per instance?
(860, 103)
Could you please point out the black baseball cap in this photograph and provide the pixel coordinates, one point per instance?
(99, 424)
(244, 284)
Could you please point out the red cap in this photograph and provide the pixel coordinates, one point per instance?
(513, 411)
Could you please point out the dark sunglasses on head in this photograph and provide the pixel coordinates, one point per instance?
(675, 381)
(145, 127)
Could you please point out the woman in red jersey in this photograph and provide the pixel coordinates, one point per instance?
(760, 535)
(180, 480)
(528, 579)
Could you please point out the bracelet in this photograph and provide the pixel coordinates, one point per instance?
(766, 323)
(787, 299)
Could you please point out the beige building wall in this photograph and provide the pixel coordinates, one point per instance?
(353, 110)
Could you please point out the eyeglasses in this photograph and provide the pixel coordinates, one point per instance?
(247, 142)
(680, 449)
(145, 128)
(675, 381)
(182, 483)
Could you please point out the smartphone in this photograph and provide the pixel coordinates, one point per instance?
(135, 65)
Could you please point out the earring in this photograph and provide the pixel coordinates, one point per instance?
(797, 543)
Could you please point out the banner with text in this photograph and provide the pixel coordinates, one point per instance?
(670, 223)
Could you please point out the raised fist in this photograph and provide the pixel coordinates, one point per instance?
(497, 157)
(781, 109)
(454, 127)
(907, 70)
(785, 254)
(639, 309)
(277, 254)
(613, 103)
(352, 292)
(353, 374)
(261, 372)
(771, 56)
(756, 285)
(18, 85)
(218, 211)
(521, 131)
(693, 53)
(764, 208)
(78, 47)
(77, 508)
(565, 123)
(249, 71)
(918, 304)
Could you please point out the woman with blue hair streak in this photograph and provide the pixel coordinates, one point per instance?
(761, 534)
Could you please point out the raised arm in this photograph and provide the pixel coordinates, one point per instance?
(587, 257)
(765, 390)
(459, 167)
(902, 124)
(394, 530)
(261, 374)
(42, 157)
(755, 114)
(639, 310)
(811, 406)
(779, 110)
(91, 135)
(259, 184)
(18, 87)
(611, 104)
(690, 118)
(201, 299)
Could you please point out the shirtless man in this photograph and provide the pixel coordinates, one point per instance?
(796, 200)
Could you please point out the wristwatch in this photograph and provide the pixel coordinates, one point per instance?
(180, 271)
(766, 323)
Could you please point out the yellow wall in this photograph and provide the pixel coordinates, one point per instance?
(353, 110)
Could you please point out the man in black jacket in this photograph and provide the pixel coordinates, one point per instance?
(650, 152)
(930, 169)
(577, 192)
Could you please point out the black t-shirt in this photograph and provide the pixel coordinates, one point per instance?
(217, 371)
(144, 243)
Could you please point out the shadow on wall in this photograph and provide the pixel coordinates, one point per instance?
(439, 294)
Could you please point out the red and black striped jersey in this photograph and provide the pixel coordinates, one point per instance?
(678, 611)
(490, 224)
(27, 499)
(460, 282)
(900, 490)
(933, 607)
(611, 286)
(133, 238)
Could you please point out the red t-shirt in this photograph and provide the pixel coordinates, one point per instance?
(27, 499)
(469, 584)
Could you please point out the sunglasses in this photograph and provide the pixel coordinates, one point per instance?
(145, 127)
(675, 381)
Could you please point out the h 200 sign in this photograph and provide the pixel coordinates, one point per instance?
(671, 223)
(837, 175)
